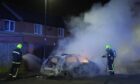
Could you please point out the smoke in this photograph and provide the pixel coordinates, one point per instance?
(32, 61)
(110, 24)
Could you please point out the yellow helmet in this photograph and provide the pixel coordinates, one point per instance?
(108, 46)
(19, 45)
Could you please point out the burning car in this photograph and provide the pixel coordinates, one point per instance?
(69, 65)
(52, 66)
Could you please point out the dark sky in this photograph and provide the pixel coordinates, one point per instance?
(55, 7)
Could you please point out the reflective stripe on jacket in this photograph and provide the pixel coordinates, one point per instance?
(16, 62)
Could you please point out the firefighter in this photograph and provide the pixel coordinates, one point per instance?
(110, 55)
(16, 61)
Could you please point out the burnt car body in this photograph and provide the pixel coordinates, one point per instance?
(52, 66)
(68, 65)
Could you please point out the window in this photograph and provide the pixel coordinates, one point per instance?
(38, 29)
(9, 25)
(61, 32)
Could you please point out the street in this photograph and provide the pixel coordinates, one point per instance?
(97, 80)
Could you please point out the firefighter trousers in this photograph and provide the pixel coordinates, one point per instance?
(14, 70)
(111, 67)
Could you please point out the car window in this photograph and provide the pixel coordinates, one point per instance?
(71, 59)
(54, 60)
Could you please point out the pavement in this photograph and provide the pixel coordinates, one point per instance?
(119, 79)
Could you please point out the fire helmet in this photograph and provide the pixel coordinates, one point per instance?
(19, 46)
(108, 46)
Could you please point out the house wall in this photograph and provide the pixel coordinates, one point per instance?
(51, 31)
(24, 32)
(0, 24)
(25, 27)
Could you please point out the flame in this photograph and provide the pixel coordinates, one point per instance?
(71, 59)
(76, 58)
(83, 59)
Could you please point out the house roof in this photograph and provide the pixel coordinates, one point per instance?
(6, 14)
(34, 10)
(29, 16)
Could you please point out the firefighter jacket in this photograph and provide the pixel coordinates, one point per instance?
(16, 55)
(111, 54)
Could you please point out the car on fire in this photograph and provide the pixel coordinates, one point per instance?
(68, 66)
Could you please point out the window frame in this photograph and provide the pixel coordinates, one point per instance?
(61, 32)
(38, 30)
(9, 25)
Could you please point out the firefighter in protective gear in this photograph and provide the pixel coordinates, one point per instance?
(16, 61)
(110, 55)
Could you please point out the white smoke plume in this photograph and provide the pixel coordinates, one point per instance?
(109, 24)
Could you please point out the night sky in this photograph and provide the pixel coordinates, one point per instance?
(55, 7)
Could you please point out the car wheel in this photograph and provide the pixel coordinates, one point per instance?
(68, 75)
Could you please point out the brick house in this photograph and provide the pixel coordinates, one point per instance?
(38, 38)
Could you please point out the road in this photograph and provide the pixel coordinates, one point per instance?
(97, 80)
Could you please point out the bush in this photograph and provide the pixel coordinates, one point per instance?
(3, 70)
